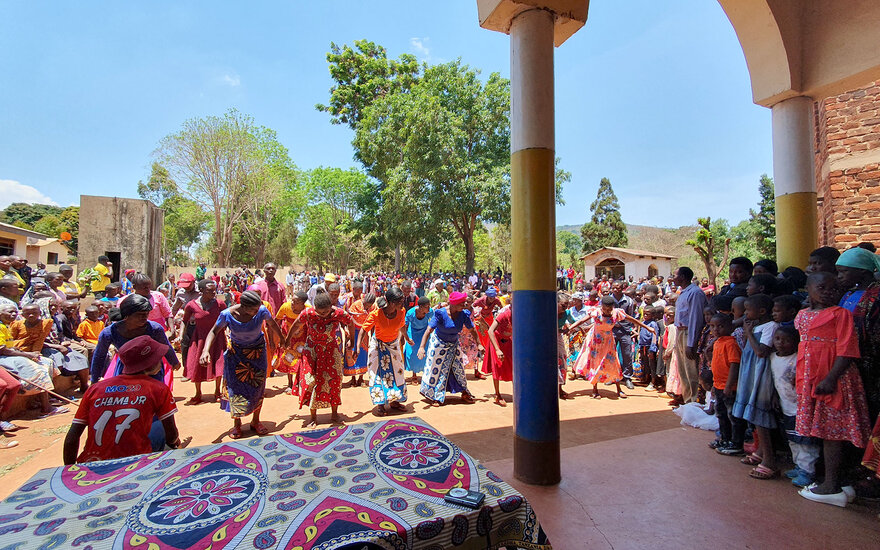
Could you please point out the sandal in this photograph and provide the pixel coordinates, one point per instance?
(380, 410)
(398, 406)
(763, 472)
(8, 444)
(235, 433)
(595, 395)
(467, 398)
(621, 395)
(194, 401)
(259, 428)
(751, 460)
(500, 401)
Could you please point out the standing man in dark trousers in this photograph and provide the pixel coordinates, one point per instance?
(623, 330)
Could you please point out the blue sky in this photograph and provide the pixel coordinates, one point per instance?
(653, 95)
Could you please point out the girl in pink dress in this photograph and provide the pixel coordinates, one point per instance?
(598, 360)
(830, 396)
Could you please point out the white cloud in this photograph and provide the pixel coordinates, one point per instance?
(13, 191)
(420, 47)
(231, 79)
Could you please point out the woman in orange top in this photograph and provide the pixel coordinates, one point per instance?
(385, 362)
(356, 365)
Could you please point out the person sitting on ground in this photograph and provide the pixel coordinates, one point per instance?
(119, 411)
(34, 334)
(34, 371)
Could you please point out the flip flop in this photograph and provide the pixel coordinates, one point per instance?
(751, 460)
(762, 472)
(259, 428)
(398, 406)
(467, 398)
(500, 402)
(621, 395)
(235, 433)
(194, 401)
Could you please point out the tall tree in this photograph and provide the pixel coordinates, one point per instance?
(606, 227)
(712, 246)
(185, 220)
(568, 248)
(764, 219)
(219, 162)
(28, 214)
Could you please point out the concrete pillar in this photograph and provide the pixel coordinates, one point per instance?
(794, 180)
(533, 231)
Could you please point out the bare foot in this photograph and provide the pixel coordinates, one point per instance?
(500, 401)
(312, 424)
(194, 400)
(336, 419)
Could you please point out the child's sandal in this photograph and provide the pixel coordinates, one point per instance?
(751, 460)
(763, 472)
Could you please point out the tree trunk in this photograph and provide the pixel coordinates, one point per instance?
(469, 252)
(397, 258)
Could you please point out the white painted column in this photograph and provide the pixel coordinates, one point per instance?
(531, 75)
(794, 180)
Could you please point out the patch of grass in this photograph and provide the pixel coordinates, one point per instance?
(6, 468)
(54, 431)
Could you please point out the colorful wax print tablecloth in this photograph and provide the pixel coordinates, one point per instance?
(377, 485)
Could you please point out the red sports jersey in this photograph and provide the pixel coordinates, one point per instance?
(119, 412)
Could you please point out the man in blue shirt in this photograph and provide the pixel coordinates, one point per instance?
(623, 330)
(689, 319)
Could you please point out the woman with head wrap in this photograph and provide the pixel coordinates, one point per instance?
(385, 362)
(245, 362)
(134, 323)
(444, 368)
(856, 270)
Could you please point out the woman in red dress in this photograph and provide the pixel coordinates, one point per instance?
(484, 316)
(319, 377)
(202, 314)
(500, 334)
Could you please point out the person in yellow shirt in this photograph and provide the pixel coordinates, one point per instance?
(70, 287)
(6, 269)
(105, 270)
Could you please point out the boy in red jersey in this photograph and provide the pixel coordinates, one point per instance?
(120, 411)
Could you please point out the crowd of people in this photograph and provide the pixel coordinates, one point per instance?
(778, 357)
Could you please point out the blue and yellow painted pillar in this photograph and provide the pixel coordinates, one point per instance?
(533, 232)
(794, 181)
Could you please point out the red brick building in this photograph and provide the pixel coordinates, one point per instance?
(848, 167)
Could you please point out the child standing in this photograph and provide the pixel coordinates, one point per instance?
(725, 371)
(755, 390)
(417, 320)
(670, 359)
(90, 328)
(648, 348)
(598, 361)
(831, 399)
(783, 364)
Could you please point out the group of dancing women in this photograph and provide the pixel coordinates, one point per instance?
(319, 342)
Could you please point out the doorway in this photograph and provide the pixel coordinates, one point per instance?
(116, 260)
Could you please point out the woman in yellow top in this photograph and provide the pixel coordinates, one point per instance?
(384, 361)
(105, 269)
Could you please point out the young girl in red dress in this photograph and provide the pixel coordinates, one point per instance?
(830, 396)
(319, 377)
(500, 335)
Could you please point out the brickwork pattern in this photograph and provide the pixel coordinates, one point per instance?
(848, 167)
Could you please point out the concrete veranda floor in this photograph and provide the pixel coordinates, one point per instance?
(632, 476)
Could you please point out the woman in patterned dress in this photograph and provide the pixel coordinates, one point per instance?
(830, 395)
(444, 367)
(319, 378)
(245, 362)
(386, 327)
(598, 360)
(202, 314)
(287, 314)
(469, 344)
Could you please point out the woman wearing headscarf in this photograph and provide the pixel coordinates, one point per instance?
(444, 368)
(199, 317)
(245, 361)
(855, 273)
(856, 269)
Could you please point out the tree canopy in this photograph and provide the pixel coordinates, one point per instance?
(606, 227)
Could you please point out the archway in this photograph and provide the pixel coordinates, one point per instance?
(612, 267)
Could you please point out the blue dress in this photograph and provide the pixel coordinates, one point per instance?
(755, 387)
(444, 359)
(244, 363)
(415, 330)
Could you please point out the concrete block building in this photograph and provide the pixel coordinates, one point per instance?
(128, 231)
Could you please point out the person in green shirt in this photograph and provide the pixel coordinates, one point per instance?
(438, 295)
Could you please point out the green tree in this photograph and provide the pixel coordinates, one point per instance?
(764, 219)
(606, 227)
(28, 214)
(185, 221)
(712, 245)
(221, 163)
(568, 248)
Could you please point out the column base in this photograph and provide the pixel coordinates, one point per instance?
(536, 462)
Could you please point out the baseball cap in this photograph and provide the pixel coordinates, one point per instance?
(140, 354)
(186, 279)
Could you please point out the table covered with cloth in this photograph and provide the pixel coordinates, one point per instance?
(378, 486)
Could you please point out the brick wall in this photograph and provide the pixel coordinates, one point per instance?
(848, 167)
